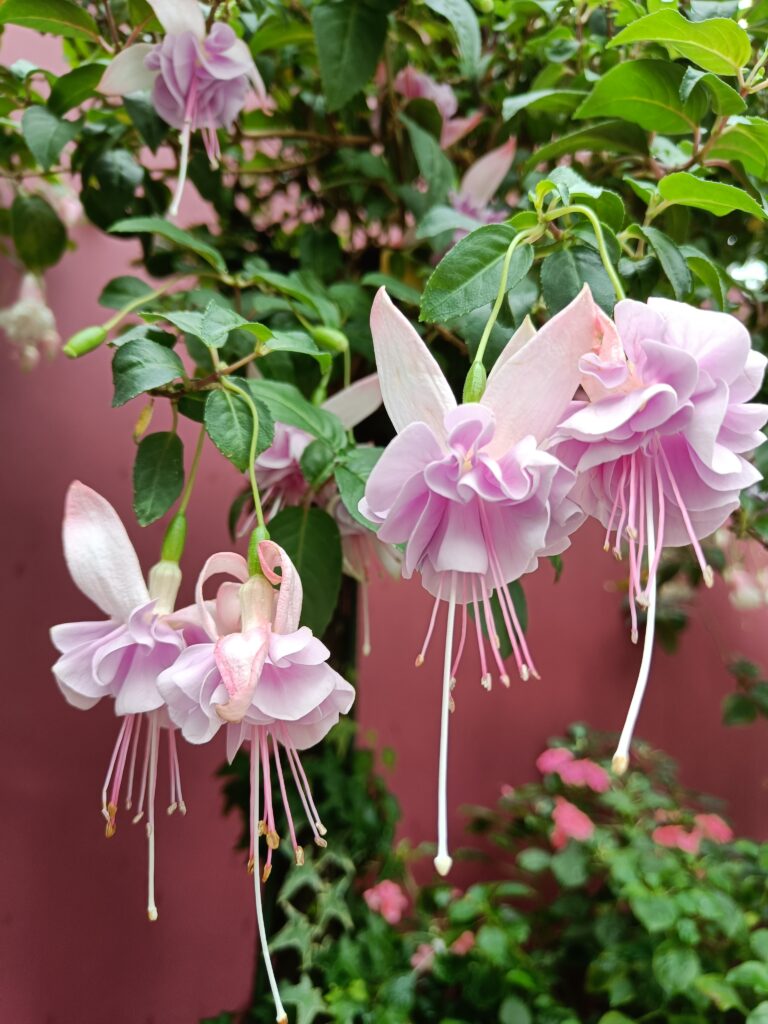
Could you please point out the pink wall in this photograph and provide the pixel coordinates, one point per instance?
(75, 946)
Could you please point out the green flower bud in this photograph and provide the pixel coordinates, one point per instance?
(175, 537)
(259, 534)
(85, 341)
(484, 6)
(330, 339)
(474, 385)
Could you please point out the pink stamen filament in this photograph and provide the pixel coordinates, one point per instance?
(286, 804)
(315, 815)
(485, 677)
(144, 775)
(175, 770)
(300, 789)
(653, 568)
(171, 773)
(607, 542)
(116, 751)
(425, 646)
(463, 637)
(280, 1010)
(132, 768)
(269, 815)
(623, 508)
(366, 611)
(490, 626)
(634, 573)
(706, 569)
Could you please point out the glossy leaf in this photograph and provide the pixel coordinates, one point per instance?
(158, 476)
(38, 234)
(717, 44)
(140, 366)
(59, 17)
(183, 239)
(229, 424)
(349, 35)
(684, 189)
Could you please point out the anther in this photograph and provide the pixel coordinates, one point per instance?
(419, 660)
(620, 763)
(152, 914)
(319, 841)
(262, 829)
(321, 827)
(299, 854)
(525, 673)
(266, 872)
(635, 636)
(249, 865)
(486, 681)
(273, 840)
(505, 679)
(171, 808)
(709, 576)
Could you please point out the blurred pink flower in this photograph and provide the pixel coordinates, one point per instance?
(463, 944)
(677, 838)
(423, 958)
(570, 823)
(552, 759)
(30, 325)
(585, 773)
(388, 899)
(480, 184)
(413, 84)
(712, 827)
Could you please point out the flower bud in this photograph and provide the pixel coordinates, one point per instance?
(175, 537)
(330, 339)
(164, 583)
(85, 341)
(259, 534)
(474, 385)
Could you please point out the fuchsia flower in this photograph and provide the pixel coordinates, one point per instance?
(467, 488)
(659, 446)
(480, 184)
(463, 944)
(30, 325)
(413, 84)
(570, 823)
(267, 679)
(122, 656)
(573, 772)
(706, 826)
(199, 80)
(388, 899)
(712, 827)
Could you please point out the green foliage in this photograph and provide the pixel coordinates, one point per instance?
(158, 476)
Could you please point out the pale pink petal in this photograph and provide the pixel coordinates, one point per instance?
(456, 128)
(525, 332)
(179, 16)
(547, 366)
(290, 597)
(712, 827)
(127, 72)
(356, 403)
(412, 384)
(240, 658)
(99, 555)
(481, 182)
(228, 564)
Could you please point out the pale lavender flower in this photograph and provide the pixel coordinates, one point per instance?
(659, 447)
(468, 488)
(199, 80)
(413, 84)
(480, 184)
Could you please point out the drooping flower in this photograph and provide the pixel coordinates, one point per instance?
(267, 679)
(120, 657)
(200, 79)
(659, 445)
(467, 488)
(30, 325)
(388, 899)
(413, 84)
(570, 823)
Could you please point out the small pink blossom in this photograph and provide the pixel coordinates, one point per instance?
(712, 827)
(463, 944)
(553, 759)
(388, 899)
(585, 773)
(570, 823)
(423, 959)
(676, 837)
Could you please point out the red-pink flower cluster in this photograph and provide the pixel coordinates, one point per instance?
(705, 826)
(573, 771)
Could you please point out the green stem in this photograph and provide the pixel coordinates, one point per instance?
(135, 303)
(755, 70)
(229, 385)
(194, 466)
(518, 240)
(585, 211)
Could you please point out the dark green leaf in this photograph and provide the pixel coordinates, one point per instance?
(564, 274)
(312, 541)
(352, 475)
(467, 29)
(349, 35)
(158, 476)
(725, 100)
(229, 424)
(149, 125)
(74, 88)
(546, 101)
(435, 167)
(121, 291)
(672, 262)
(38, 235)
(317, 462)
(287, 405)
(675, 967)
(59, 17)
(752, 974)
(714, 987)
(140, 366)
(607, 137)
(744, 141)
(715, 197)
(183, 239)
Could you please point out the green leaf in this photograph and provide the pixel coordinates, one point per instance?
(493, 942)
(74, 88)
(140, 366)
(298, 343)
(684, 189)
(311, 539)
(441, 219)
(38, 235)
(708, 273)
(121, 291)
(229, 424)
(715, 988)
(569, 866)
(434, 165)
(725, 100)
(675, 967)
(759, 1015)
(646, 92)
(59, 17)
(717, 44)
(308, 1000)
(184, 239)
(758, 940)
(672, 262)
(349, 36)
(607, 137)
(352, 475)
(564, 274)
(744, 141)
(148, 124)
(545, 101)
(277, 33)
(158, 476)
(656, 913)
(317, 462)
(534, 859)
(470, 274)
(287, 405)
(514, 1011)
(467, 29)
(614, 1017)
(751, 974)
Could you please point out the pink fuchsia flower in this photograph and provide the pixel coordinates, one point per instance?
(424, 957)
(413, 84)
(570, 823)
(388, 899)
(267, 679)
(199, 79)
(467, 488)
(120, 657)
(712, 827)
(677, 838)
(463, 944)
(481, 183)
(573, 772)
(552, 759)
(30, 325)
(659, 445)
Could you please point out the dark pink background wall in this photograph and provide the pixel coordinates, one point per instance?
(75, 946)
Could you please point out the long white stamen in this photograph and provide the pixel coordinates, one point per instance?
(433, 618)
(282, 1017)
(144, 773)
(154, 741)
(443, 859)
(186, 135)
(621, 757)
(132, 768)
(111, 768)
(366, 617)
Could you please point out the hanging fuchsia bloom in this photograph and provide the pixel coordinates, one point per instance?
(199, 80)
(413, 84)
(30, 325)
(481, 183)
(268, 681)
(467, 488)
(659, 447)
(122, 656)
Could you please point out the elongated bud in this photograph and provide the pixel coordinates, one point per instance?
(484, 6)
(85, 341)
(143, 422)
(330, 338)
(175, 538)
(164, 583)
(254, 565)
(474, 385)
